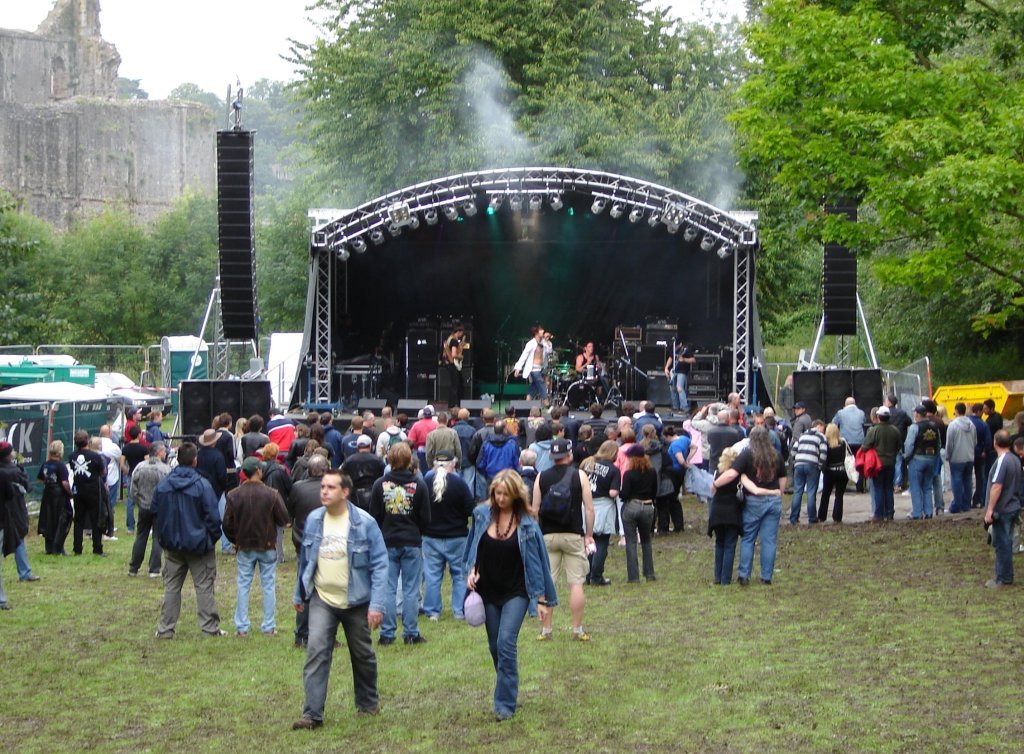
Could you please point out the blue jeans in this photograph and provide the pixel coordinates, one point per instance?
(899, 480)
(921, 469)
(323, 628)
(503, 623)
(725, 553)
(225, 544)
(436, 553)
(247, 560)
(679, 399)
(468, 474)
(1002, 543)
(21, 561)
(537, 386)
(761, 517)
(883, 504)
(962, 480)
(409, 562)
(940, 503)
(805, 479)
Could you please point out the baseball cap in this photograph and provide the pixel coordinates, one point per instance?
(882, 411)
(363, 441)
(6, 449)
(251, 464)
(444, 455)
(800, 404)
(560, 449)
(428, 411)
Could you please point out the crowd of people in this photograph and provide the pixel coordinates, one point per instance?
(506, 504)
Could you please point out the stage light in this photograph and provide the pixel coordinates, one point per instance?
(496, 200)
(672, 227)
(690, 234)
(598, 206)
(394, 230)
(342, 254)
(430, 216)
(555, 202)
(451, 213)
(377, 237)
(359, 246)
(636, 214)
(724, 252)
(617, 211)
(708, 242)
(516, 202)
(469, 208)
(535, 202)
(399, 214)
(654, 219)
(414, 222)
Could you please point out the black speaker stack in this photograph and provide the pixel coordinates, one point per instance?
(825, 391)
(839, 280)
(427, 376)
(236, 238)
(201, 400)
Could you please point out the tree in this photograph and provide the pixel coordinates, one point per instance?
(25, 307)
(914, 109)
(130, 89)
(189, 92)
(401, 91)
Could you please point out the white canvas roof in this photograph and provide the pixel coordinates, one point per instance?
(53, 391)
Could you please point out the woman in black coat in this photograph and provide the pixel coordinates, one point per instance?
(725, 519)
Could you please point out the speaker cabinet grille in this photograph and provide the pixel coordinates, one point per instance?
(236, 234)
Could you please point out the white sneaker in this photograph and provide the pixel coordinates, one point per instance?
(109, 539)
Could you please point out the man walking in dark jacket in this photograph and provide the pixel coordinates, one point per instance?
(251, 520)
(187, 527)
(303, 500)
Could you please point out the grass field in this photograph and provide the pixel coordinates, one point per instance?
(872, 638)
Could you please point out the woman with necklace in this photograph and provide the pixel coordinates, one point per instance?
(507, 564)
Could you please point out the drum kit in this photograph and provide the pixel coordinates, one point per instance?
(578, 391)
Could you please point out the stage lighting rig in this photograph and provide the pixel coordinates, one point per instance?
(555, 202)
(708, 242)
(359, 246)
(430, 216)
(394, 230)
(451, 213)
(618, 210)
(376, 237)
(342, 254)
(399, 214)
(598, 206)
(515, 202)
(636, 214)
(654, 219)
(690, 234)
(496, 200)
(469, 208)
(535, 202)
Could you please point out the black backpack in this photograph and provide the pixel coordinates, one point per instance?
(556, 505)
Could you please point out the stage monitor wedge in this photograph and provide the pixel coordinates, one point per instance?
(236, 234)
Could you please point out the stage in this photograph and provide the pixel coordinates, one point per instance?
(580, 253)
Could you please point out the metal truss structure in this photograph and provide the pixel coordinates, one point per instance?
(527, 189)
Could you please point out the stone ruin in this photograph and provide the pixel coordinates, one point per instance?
(69, 148)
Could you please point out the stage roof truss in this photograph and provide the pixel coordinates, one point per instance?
(672, 208)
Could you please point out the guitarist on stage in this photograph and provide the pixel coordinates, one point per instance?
(453, 347)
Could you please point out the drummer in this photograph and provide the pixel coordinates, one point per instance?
(590, 369)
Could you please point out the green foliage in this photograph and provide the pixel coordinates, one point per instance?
(911, 108)
(25, 245)
(402, 91)
(130, 89)
(189, 92)
(282, 261)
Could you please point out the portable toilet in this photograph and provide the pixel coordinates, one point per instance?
(179, 354)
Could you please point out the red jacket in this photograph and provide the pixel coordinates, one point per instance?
(868, 463)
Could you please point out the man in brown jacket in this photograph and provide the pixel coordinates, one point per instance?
(253, 513)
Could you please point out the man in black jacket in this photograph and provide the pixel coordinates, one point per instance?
(303, 500)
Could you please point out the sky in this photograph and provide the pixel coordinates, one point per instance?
(214, 42)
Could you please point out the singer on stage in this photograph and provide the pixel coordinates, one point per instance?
(532, 362)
